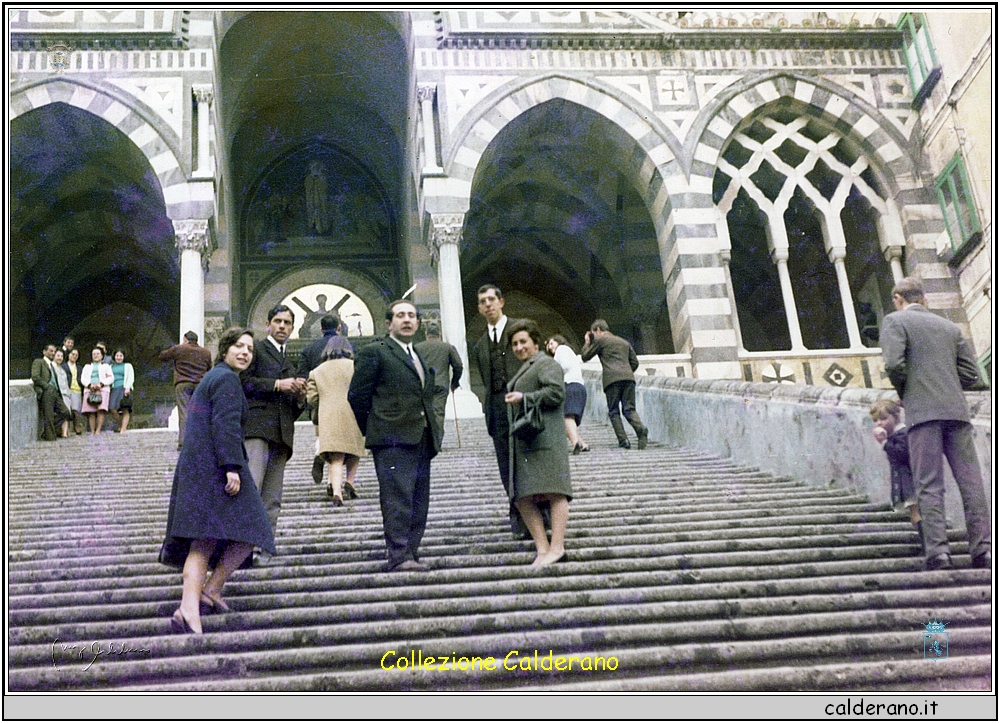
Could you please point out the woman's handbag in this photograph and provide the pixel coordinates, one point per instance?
(528, 423)
(126, 403)
(95, 398)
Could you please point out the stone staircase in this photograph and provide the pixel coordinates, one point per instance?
(684, 573)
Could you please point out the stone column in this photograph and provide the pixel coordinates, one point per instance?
(445, 235)
(780, 256)
(837, 254)
(203, 94)
(193, 242)
(426, 93)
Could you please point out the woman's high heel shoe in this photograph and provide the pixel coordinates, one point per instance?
(338, 501)
(349, 492)
(179, 623)
(209, 605)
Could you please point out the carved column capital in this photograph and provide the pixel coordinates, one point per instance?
(193, 234)
(426, 91)
(446, 228)
(893, 252)
(779, 255)
(837, 253)
(203, 93)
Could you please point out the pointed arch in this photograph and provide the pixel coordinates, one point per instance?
(156, 144)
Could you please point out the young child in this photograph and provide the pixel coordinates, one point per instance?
(891, 434)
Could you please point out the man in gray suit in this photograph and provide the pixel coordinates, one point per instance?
(930, 363)
(618, 364)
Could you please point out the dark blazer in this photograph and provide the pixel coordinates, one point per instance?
(309, 358)
(213, 445)
(441, 355)
(272, 414)
(929, 363)
(618, 359)
(389, 403)
(41, 376)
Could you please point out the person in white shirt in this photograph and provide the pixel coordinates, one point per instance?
(576, 392)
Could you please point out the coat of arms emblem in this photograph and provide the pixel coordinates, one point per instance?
(935, 640)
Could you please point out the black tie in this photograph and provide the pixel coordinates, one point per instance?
(495, 336)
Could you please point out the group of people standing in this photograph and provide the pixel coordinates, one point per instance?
(69, 392)
(387, 397)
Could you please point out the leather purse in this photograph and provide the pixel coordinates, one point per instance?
(528, 423)
(95, 399)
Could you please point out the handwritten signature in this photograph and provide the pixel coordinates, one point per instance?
(91, 653)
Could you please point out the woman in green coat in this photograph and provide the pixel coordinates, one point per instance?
(540, 467)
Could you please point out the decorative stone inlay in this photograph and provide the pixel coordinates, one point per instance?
(778, 373)
(837, 376)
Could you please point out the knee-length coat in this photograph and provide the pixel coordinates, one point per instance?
(540, 466)
(327, 390)
(200, 509)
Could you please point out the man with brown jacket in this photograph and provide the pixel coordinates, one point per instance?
(618, 362)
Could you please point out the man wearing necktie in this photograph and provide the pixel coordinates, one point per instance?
(50, 403)
(497, 365)
(276, 398)
(392, 396)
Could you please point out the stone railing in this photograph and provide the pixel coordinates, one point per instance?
(22, 413)
(820, 435)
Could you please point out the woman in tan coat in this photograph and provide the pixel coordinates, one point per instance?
(340, 441)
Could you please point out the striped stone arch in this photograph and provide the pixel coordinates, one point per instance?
(653, 146)
(892, 157)
(147, 138)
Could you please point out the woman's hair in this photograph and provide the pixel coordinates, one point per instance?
(560, 340)
(60, 351)
(337, 348)
(885, 408)
(529, 326)
(115, 353)
(228, 338)
(74, 349)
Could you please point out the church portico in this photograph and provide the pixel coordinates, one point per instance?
(735, 192)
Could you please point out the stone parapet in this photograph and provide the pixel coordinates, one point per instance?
(22, 413)
(820, 435)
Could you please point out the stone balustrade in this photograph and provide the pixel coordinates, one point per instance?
(821, 435)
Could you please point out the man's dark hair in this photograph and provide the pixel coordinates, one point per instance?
(389, 309)
(600, 325)
(45, 347)
(228, 338)
(528, 325)
(277, 310)
(68, 338)
(486, 287)
(329, 322)
(911, 289)
(191, 336)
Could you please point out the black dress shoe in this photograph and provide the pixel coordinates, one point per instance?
(939, 562)
(624, 444)
(983, 561)
(319, 467)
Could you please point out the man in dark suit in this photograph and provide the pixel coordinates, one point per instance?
(276, 398)
(50, 403)
(309, 359)
(392, 396)
(497, 365)
(930, 363)
(618, 364)
(443, 358)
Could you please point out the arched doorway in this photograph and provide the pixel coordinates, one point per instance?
(554, 217)
(92, 249)
(314, 118)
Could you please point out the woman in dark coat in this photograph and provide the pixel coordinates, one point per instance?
(540, 467)
(216, 515)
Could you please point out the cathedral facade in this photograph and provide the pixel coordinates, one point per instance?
(734, 192)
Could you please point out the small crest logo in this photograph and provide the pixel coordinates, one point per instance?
(59, 57)
(935, 640)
